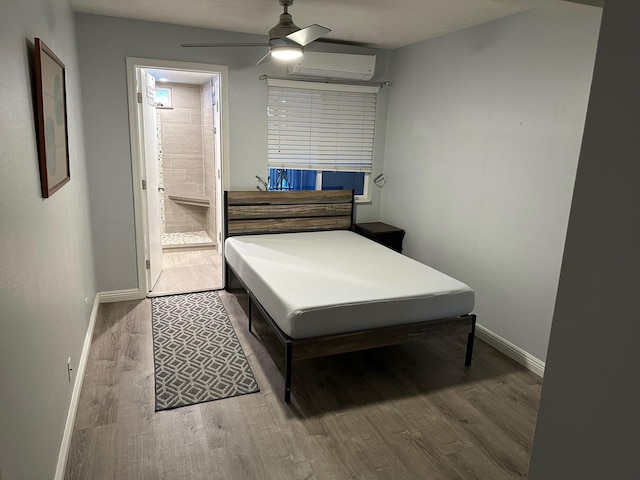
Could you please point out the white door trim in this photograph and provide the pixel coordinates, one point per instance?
(147, 133)
(137, 168)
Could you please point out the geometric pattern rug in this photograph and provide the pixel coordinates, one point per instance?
(196, 352)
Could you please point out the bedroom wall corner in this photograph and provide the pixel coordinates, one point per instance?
(370, 211)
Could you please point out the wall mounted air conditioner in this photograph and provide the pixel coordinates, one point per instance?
(334, 65)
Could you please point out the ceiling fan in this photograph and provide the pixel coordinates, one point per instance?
(286, 39)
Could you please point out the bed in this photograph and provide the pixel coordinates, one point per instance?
(323, 289)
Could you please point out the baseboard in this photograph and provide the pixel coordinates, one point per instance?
(120, 295)
(75, 395)
(532, 363)
(101, 297)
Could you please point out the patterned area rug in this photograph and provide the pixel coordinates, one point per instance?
(196, 352)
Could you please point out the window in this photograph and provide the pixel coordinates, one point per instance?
(163, 97)
(289, 179)
(320, 136)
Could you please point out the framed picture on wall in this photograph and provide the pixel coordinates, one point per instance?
(51, 107)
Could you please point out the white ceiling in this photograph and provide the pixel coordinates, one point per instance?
(375, 23)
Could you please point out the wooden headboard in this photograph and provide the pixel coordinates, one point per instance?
(256, 212)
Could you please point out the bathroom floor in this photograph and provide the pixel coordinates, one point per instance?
(188, 270)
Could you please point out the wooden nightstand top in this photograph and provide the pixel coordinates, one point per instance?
(377, 227)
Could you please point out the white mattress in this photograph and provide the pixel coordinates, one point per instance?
(321, 283)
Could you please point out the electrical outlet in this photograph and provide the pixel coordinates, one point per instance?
(69, 369)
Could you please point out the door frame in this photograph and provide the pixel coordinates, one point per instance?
(137, 164)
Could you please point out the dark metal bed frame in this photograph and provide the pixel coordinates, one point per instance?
(259, 212)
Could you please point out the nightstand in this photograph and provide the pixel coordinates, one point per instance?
(384, 234)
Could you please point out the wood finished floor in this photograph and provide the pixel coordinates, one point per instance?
(188, 270)
(407, 412)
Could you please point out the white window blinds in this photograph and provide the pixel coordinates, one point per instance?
(319, 126)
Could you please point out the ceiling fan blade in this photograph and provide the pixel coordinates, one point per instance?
(264, 59)
(225, 44)
(306, 35)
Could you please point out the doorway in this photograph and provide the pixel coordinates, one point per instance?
(179, 151)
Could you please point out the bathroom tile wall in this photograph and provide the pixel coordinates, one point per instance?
(182, 157)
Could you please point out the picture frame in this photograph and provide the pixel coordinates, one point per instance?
(52, 132)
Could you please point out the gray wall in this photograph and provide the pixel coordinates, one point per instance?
(589, 417)
(483, 135)
(46, 261)
(104, 43)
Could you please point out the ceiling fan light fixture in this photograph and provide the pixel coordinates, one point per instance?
(286, 52)
(286, 39)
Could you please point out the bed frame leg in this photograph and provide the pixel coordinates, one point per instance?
(288, 357)
(250, 312)
(227, 277)
(470, 337)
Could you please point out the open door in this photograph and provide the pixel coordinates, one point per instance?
(149, 143)
(147, 168)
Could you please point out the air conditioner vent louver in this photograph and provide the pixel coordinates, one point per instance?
(334, 65)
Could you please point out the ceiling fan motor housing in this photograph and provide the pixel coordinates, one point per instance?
(285, 26)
